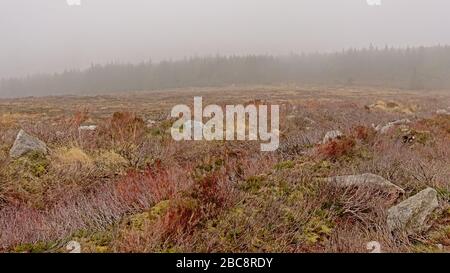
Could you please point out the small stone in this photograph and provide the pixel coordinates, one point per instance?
(87, 128)
(332, 135)
(150, 123)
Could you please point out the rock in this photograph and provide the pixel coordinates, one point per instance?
(374, 247)
(366, 180)
(384, 129)
(290, 117)
(87, 128)
(310, 120)
(150, 123)
(332, 135)
(26, 143)
(73, 247)
(411, 215)
(400, 122)
(391, 106)
(442, 112)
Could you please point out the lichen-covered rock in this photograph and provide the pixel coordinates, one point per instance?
(412, 214)
(366, 180)
(26, 143)
(332, 135)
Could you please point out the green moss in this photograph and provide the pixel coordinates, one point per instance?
(94, 241)
(317, 168)
(272, 216)
(317, 228)
(422, 137)
(139, 220)
(415, 136)
(209, 167)
(284, 165)
(34, 163)
(444, 193)
(39, 247)
(425, 248)
(253, 184)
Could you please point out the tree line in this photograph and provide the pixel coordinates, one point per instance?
(410, 68)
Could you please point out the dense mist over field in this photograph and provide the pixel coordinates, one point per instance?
(48, 36)
(412, 68)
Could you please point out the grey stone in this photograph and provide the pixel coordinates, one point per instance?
(26, 143)
(412, 214)
(332, 135)
(383, 129)
(442, 112)
(367, 180)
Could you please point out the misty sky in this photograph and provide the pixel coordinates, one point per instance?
(50, 36)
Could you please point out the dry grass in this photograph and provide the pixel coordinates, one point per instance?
(126, 187)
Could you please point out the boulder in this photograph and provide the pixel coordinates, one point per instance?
(383, 129)
(332, 135)
(412, 214)
(366, 180)
(26, 143)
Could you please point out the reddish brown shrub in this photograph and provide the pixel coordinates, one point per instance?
(123, 127)
(364, 133)
(98, 208)
(79, 117)
(181, 217)
(336, 148)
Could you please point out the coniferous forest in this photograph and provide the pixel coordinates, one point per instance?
(409, 68)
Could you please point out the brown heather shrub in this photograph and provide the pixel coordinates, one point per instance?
(363, 133)
(336, 148)
(126, 127)
(95, 209)
(79, 117)
(145, 192)
(202, 200)
(352, 237)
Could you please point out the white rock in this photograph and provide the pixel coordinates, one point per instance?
(150, 123)
(73, 247)
(374, 247)
(87, 128)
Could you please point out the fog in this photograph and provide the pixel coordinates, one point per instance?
(42, 36)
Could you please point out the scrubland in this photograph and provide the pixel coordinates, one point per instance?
(128, 187)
